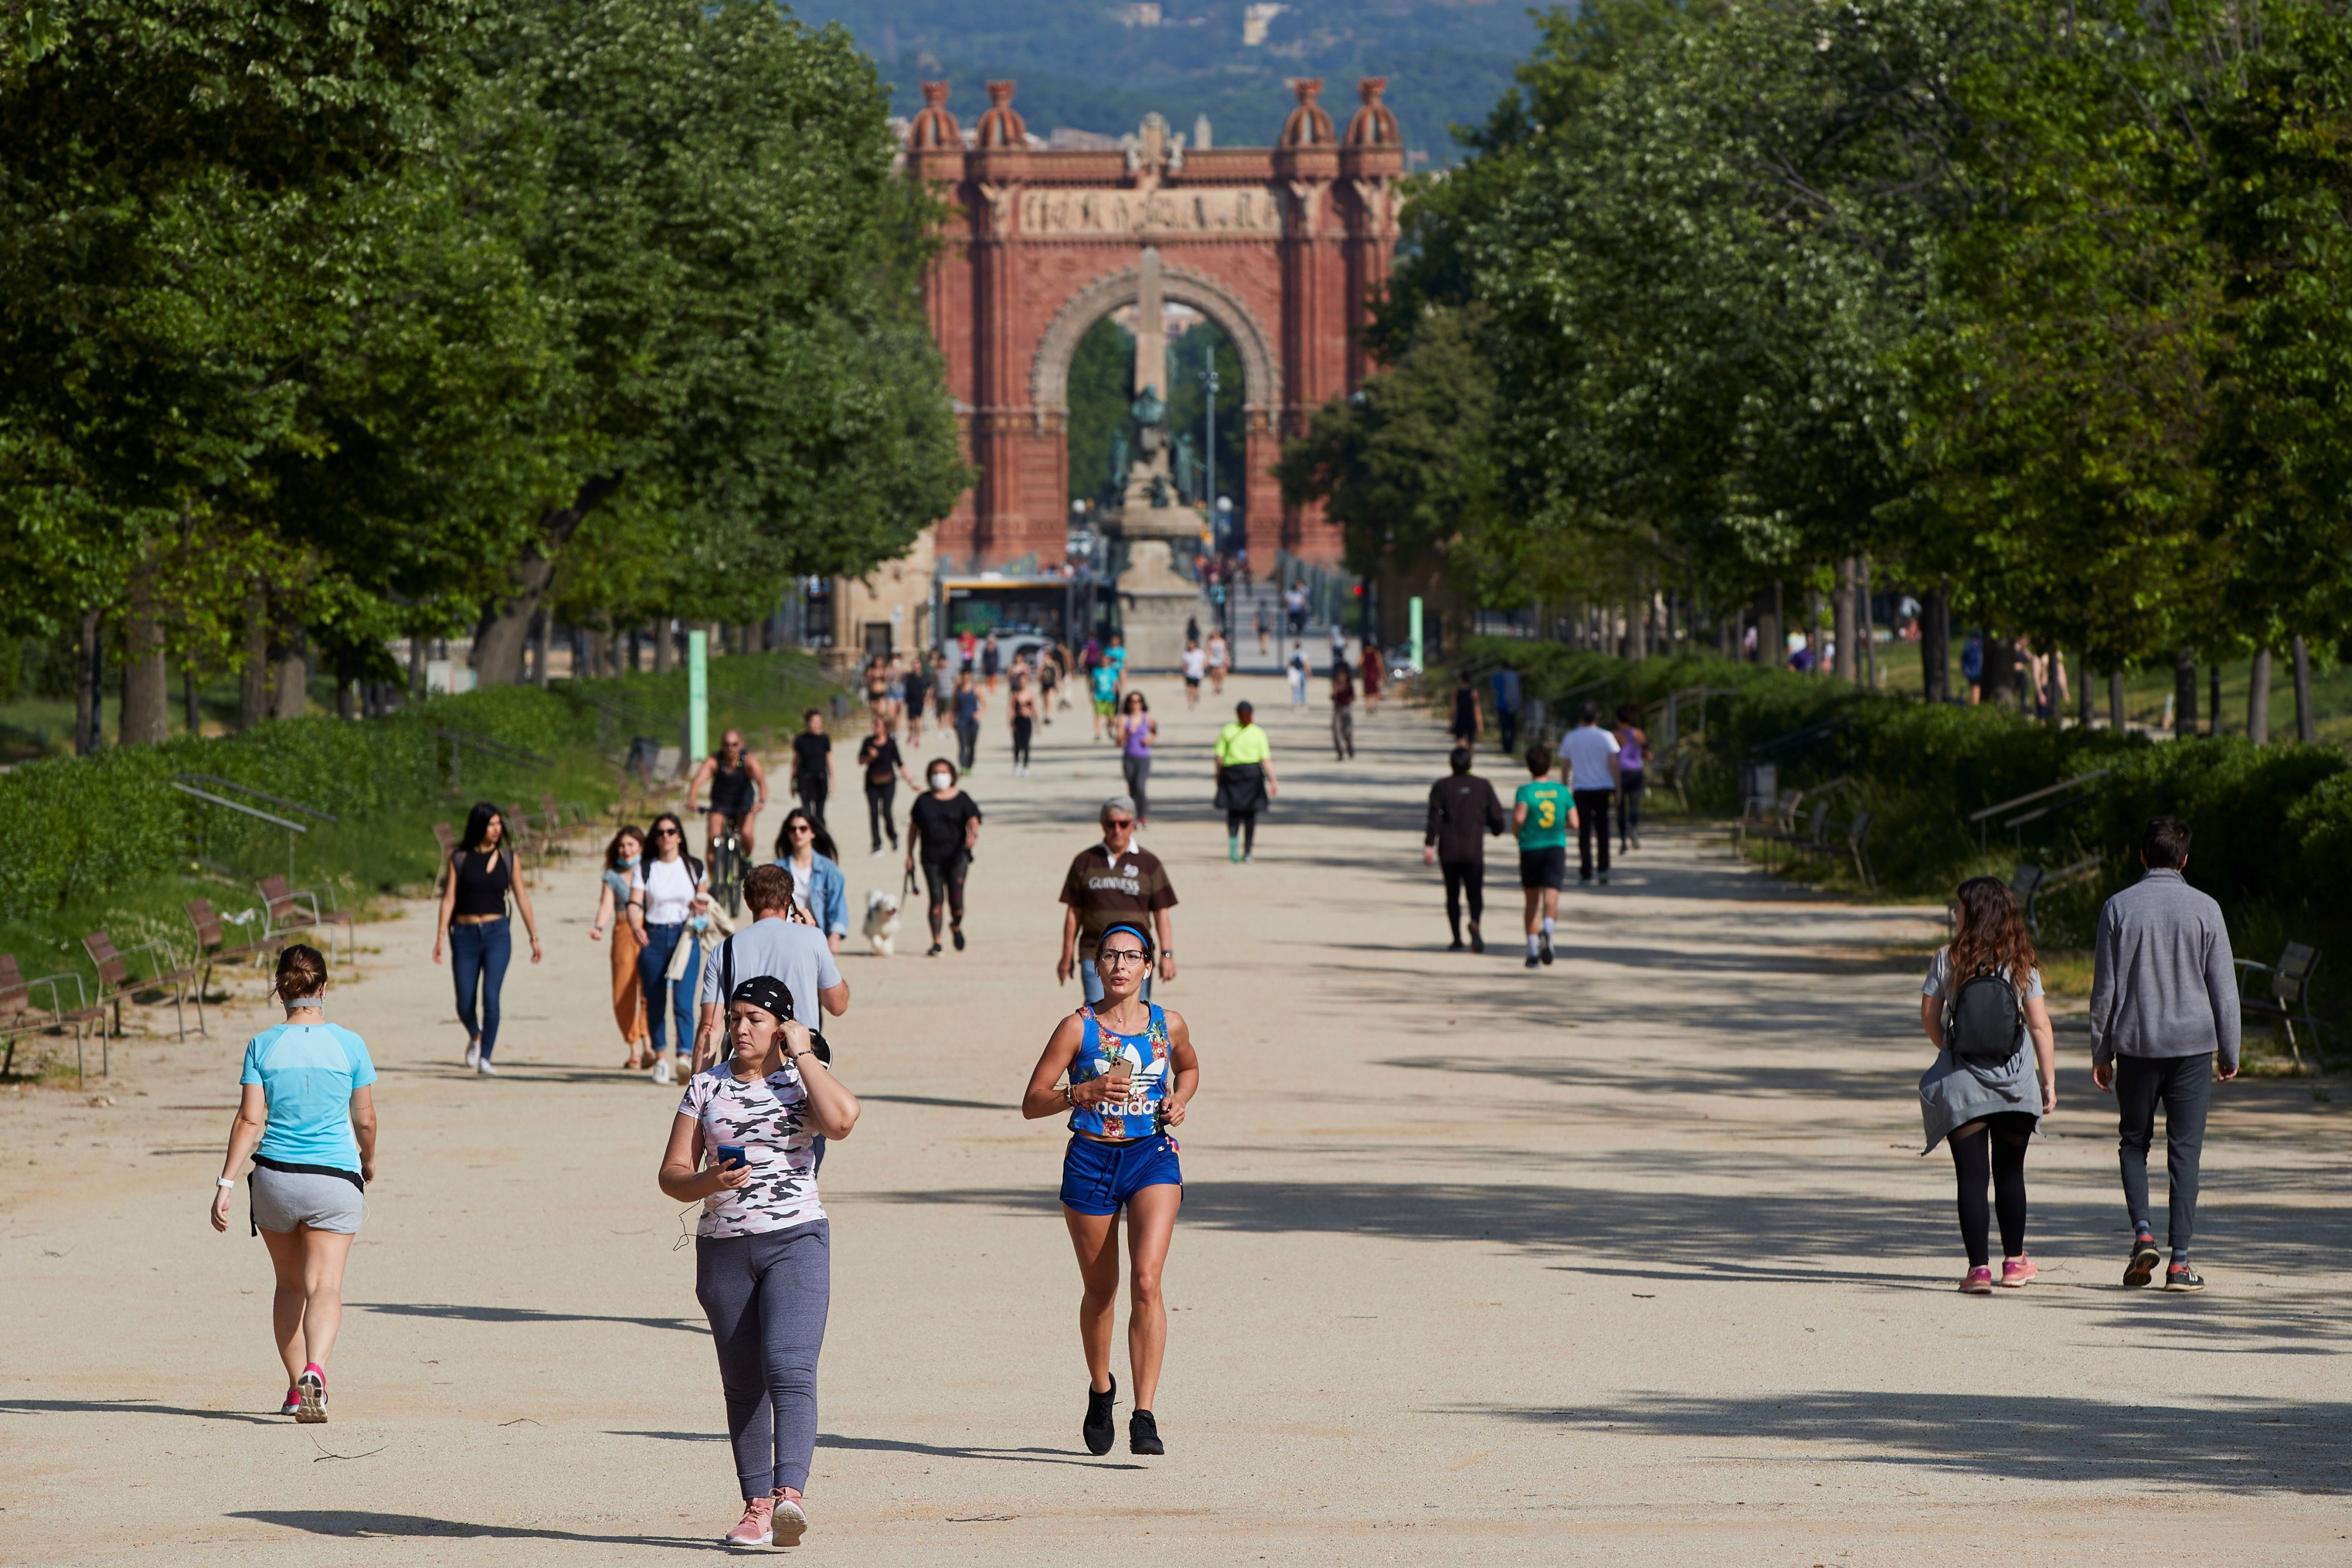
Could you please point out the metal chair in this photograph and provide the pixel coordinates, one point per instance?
(117, 984)
(296, 909)
(213, 946)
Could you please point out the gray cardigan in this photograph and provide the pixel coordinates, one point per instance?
(2163, 983)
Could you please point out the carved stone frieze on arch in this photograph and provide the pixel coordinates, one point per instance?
(1049, 378)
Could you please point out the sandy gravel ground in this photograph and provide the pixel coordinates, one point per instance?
(1632, 1259)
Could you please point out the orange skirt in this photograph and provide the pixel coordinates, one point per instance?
(628, 991)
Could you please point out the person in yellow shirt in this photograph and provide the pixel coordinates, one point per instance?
(1245, 780)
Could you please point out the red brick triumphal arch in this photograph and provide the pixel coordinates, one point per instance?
(1281, 246)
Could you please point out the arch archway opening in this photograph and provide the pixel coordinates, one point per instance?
(1211, 445)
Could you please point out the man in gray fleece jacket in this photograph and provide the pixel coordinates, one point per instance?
(2164, 1026)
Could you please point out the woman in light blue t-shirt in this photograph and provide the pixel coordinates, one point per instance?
(307, 1117)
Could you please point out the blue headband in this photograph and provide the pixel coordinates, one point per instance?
(1135, 931)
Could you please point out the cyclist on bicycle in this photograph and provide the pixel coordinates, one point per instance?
(739, 790)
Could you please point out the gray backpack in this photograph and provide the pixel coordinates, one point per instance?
(1983, 1019)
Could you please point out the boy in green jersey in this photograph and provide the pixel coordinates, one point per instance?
(1542, 814)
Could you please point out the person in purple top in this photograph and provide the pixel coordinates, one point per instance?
(1633, 760)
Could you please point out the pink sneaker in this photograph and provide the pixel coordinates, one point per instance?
(1979, 1281)
(293, 1401)
(756, 1527)
(2016, 1272)
(310, 1396)
(789, 1521)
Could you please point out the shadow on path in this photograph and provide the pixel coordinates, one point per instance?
(129, 1407)
(353, 1524)
(523, 1315)
(927, 1450)
(2244, 1444)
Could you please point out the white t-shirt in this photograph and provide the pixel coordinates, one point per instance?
(1196, 664)
(668, 887)
(1587, 749)
(1216, 655)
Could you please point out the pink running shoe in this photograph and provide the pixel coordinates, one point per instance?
(757, 1528)
(310, 1392)
(790, 1522)
(1979, 1281)
(2018, 1272)
(293, 1401)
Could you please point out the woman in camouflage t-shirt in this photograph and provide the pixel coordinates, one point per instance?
(743, 1145)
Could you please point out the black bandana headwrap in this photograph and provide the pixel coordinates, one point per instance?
(764, 991)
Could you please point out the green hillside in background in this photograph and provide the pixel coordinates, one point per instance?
(1100, 66)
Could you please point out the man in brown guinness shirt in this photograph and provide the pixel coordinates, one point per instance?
(1115, 884)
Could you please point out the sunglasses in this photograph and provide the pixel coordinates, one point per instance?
(799, 827)
(1118, 822)
(666, 832)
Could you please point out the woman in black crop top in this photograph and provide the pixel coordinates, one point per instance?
(481, 875)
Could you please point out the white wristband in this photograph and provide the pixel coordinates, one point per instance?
(227, 1181)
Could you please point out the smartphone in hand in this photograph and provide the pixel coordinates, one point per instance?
(731, 1156)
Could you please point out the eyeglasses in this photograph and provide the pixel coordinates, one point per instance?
(1120, 958)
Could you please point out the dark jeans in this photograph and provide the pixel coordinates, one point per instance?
(663, 1000)
(1591, 822)
(765, 1297)
(1996, 1150)
(878, 798)
(967, 742)
(2185, 1085)
(1464, 877)
(1629, 808)
(811, 787)
(1506, 720)
(477, 957)
(1242, 825)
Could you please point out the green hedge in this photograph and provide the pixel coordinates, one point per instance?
(83, 830)
(2273, 824)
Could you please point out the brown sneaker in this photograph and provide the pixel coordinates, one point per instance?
(757, 1528)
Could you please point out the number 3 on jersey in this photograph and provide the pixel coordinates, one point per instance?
(1547, 813)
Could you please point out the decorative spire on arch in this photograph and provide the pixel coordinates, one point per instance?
(1309, 124)
(934, 128)
(1375, 124)
(1001, 125)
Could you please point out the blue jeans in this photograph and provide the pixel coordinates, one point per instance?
(653, 962)
(1093, 978)
(477, 957)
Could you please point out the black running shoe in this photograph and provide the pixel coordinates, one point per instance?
(934, 952)
(1543, 946)
(1454, 946)
(1533, 960)
(2144, 1259)
(2181, 1277)
(1098, 1428)
(1143, 1434)
(958, 935)
(1477, 943)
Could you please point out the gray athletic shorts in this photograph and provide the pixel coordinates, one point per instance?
(284, 1199)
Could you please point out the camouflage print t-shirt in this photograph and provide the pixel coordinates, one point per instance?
(768, 1118)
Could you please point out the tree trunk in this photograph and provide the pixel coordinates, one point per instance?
(294, 675)
(636, 650)
(2085, 709)
(2184, 693)
(415, 668)
(1767, 626)
(2258, 699)
(2056, 692)
(146, 688)
(195, 716)
(253, 676)
(2213, 708)
(505, 626)
(665, 646)
(2305, 719)
(2000, 671)
(538, 630)
(1866, 623)
(1935, 644)
(1841, 626)
(347, 685)
(90, 687)
(2116, 701)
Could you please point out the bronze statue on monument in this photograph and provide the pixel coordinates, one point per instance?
(1155, 599)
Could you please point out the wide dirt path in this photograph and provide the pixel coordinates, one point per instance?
(1632, 1260)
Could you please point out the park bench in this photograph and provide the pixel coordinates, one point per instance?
(298, 909)
(118, 984)
(213, 946)
(2029, 882)
(1780, 822)
(2287, 994)
(1856, 834)
(1812, 839)
(19, 1017)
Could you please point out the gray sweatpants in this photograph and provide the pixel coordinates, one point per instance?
(765, 1297)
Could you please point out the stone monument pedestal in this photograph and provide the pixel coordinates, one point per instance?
(1155, 599)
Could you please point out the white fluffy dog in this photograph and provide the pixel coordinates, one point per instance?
(882, 923)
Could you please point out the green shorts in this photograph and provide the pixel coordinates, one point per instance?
(1106, 706)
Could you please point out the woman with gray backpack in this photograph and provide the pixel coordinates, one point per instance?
(1995, 1073)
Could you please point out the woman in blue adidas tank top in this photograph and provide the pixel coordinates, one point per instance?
(1123, 1070)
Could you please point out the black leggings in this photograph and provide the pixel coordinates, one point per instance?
(1243, 826)
(1022, 730)
(1629, 809)
(812, 788)
(878, 798)
(945, 881)
(1460, 877)
(1995, 1150)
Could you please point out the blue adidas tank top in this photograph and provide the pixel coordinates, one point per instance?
(1149, 1064)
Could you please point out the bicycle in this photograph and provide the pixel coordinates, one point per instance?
(727, 863)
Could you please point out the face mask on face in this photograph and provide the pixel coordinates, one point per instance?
(941, 780)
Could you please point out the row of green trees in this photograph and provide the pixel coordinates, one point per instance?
(2044, 308)
(330, 323)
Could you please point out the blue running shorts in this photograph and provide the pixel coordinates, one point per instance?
(1099, 1178)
